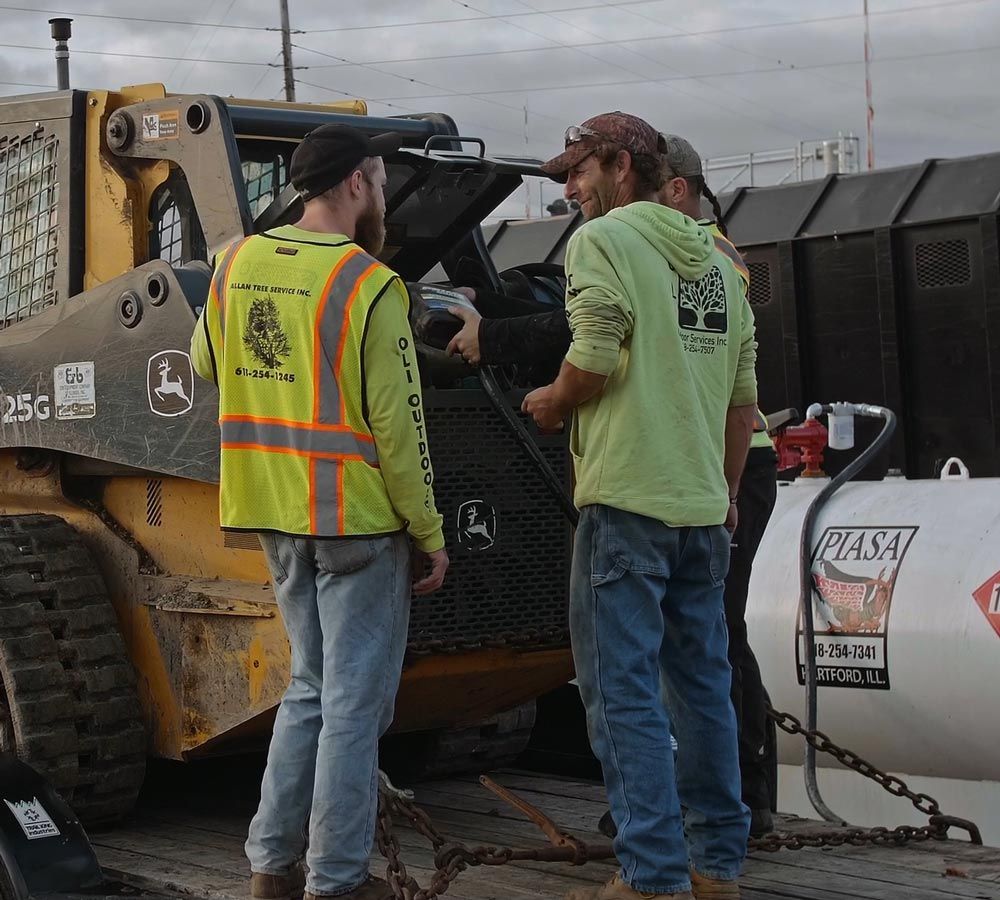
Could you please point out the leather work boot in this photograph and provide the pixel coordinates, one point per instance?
(278, 887)
(616, 889)
(373, 889)
(711, 889)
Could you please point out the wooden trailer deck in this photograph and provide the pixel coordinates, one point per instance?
(191, 842)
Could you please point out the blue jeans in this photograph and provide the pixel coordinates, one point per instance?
(345, 604)
(649, 643)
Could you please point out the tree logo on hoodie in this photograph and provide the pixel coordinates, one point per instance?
(702, 303)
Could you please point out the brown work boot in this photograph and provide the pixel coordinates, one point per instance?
(278, 887)
(373, 889)
(616, 889)
(712, 889)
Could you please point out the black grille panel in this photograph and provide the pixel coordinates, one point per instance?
(29, 234)
(519, 584)
(760, 283)
(943, 264)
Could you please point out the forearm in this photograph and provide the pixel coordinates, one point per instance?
(574, 386)
(739, 431)
(530, 339)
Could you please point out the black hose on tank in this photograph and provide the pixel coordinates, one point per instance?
(806, 580)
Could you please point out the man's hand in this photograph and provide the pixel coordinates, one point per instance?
(429, 583)
(541, 405)
(466, 342)
(732, 518)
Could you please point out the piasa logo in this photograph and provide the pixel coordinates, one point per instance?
(263, 336)
(854, 573)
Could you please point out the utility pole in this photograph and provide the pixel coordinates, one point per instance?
(286, 53)
(870, 114)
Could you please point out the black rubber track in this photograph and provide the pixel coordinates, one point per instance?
(68, 703)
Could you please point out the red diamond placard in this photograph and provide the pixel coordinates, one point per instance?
(988, 599)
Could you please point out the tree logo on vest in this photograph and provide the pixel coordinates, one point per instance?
(263, 336)
(702, 303)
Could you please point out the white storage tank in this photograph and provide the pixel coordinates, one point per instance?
(907, 614)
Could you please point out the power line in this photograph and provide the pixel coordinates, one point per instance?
(404, 109)
(220, 62)
(452, 21)
(628, 3)
(120, 18)
(643, 39)
(201, 56)
(819, 76)
(407, 78)
(737, 112)
(598, 84)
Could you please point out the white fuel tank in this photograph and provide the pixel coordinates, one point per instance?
(906, 598)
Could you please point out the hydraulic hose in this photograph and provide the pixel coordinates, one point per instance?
(524, 439)
(806, 579)
(493, 391)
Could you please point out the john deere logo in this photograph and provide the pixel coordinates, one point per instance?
(264, 337)
(477, 525)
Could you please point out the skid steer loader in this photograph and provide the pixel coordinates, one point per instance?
(129, 623)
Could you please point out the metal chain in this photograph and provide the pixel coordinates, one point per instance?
(939, 823)
(856, 837)
(451, 859)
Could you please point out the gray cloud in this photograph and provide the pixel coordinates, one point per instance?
(740, 87)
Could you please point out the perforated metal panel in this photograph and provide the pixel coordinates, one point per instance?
(29, 239)
(760, 283)
(943, 264)
(519, 582)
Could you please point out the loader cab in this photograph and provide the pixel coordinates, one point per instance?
(113, 206)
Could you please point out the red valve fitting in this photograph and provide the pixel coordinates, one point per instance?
(802, 445)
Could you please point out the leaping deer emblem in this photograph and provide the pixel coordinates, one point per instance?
(168, 386)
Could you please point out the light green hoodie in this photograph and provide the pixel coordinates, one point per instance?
(657, 308)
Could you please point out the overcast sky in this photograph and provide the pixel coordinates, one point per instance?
(730, 76)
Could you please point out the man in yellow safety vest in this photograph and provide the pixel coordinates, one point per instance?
(325, 456)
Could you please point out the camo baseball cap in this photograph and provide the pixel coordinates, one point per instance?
(680, 157)
(634, 134)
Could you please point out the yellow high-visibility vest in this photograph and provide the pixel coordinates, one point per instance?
(298, 454)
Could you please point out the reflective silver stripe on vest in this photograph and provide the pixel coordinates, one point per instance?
(219, 282)
(326, 500)
(726, 247)
(329, 331)
(303, 439)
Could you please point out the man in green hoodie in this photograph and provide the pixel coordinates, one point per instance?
(659, 382)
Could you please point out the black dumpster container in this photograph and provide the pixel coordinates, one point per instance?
(881, 287)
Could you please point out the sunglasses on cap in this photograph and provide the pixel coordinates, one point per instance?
(576, 133)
